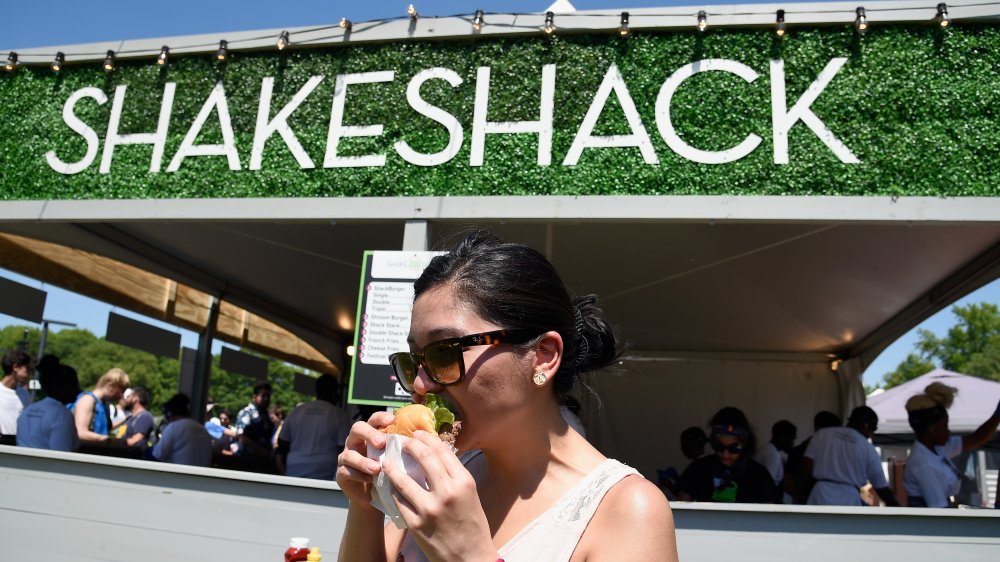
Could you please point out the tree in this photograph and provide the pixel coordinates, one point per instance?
(971, 346)
(912, 367)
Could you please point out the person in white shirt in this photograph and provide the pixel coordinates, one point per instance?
(313, 434)
(18, 364)
(773, 454)
(841, 460)
(930, 478)
(184, 441)
(15, 369)
(10, 407)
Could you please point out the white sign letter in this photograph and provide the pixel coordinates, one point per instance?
(435, 113)
(480, 126)
(81, 129)
(157, 139)
(217, 99)
(337, 129)
(279, 124)
(613, 81)
(782, 120)
(666, 126)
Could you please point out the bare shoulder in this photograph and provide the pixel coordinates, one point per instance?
(84, 403)
(636, 500)
(633, 522)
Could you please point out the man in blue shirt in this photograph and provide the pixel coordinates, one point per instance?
(47, 424)
(184, 441)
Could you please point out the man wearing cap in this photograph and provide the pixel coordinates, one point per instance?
(841, 460)
(730, 475)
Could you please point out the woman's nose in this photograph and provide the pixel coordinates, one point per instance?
(423, 385)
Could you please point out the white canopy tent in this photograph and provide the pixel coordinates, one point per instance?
(975, 401)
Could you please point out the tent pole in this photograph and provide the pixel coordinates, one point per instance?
(203, 363)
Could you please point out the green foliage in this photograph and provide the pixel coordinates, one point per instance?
(912, 367)
(916, 104)
(232, 392)
(92, 357)
(978, 325)
(971, 346)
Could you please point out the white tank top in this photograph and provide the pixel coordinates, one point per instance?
(553, 535)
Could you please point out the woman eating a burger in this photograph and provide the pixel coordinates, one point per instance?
(495, 334)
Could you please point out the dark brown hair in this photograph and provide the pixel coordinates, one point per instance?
(516, 287)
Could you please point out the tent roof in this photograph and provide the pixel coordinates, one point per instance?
(810, 276)
(975, 401)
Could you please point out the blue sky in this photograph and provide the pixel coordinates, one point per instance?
(26, 24)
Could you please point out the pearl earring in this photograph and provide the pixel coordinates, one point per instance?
(538, 378)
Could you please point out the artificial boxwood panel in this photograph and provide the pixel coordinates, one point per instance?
(918, 106)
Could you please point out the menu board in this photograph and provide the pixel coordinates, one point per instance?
(385, 301)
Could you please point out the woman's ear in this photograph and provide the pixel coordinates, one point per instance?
(549, 353)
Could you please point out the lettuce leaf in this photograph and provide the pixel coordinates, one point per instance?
(442, 415)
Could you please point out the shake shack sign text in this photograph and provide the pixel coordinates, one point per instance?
(272, 122)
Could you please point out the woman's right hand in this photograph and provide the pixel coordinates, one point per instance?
(355, 471)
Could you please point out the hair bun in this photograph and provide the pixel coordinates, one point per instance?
(596, 345)
(936, 394)
(941, 393)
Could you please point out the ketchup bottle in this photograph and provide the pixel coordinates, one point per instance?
(298, 549)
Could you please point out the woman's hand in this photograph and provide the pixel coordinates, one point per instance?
(447, 521)
(355, 471)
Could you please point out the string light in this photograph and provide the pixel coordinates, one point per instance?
(109, 61)
(942, 15)
(861, 23)
(223, 51)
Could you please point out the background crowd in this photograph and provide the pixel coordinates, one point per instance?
(113, 418)
(836, 465)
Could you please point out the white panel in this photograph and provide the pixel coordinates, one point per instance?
(667, 396)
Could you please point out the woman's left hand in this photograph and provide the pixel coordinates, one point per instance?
(447, 521)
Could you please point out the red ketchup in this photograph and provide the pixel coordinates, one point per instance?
(298, 549)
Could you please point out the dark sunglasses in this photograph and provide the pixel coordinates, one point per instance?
(735, 448)
(443, 360)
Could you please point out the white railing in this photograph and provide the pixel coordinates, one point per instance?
(73, 507)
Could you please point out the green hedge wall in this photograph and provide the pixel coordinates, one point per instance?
(918, 106)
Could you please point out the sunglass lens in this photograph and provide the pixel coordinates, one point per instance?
(444, 362)
(732, 447)
(405, 368)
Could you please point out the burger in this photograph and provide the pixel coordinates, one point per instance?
(433, 416)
